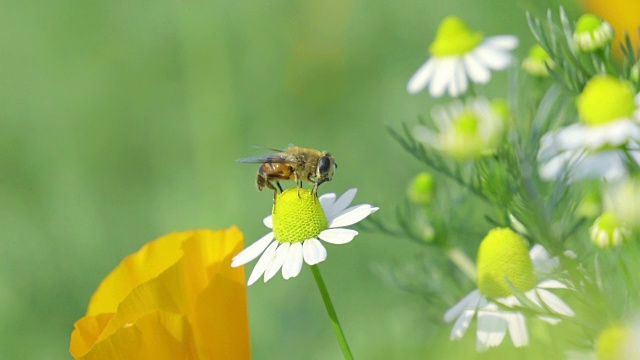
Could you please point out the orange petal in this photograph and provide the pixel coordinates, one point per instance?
(157, 335)
(199, 285)
(86, 332)
(147, 263)
(220, 309)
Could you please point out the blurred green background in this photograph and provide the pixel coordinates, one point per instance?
(121, 121)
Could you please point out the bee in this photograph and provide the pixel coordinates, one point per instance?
(293, 163)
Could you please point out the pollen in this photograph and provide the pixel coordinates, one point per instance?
(454, 38)
(503, 256)
(297, 218)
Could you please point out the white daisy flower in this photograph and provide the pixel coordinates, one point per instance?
(503, 255)
(592, 33)
(610, 121)
(608, 231)
(298, 223)
(460, 55)
(619, 342)
(537, 61)
(465, 130)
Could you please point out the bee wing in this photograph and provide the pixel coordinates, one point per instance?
(264, 148)
(274, 158)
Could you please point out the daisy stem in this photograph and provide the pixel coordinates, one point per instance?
(342, 340)
(462, 261)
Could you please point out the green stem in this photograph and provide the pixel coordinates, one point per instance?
(463, 262)
(342, 340)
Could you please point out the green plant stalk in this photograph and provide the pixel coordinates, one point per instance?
(462, 261)
(342, 340)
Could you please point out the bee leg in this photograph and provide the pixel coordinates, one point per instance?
(279, 187)
(315, 187)
(298, 183)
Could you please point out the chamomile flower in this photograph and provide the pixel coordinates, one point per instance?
(465, 130)
(592, 33)
(609, 121)
(299, 222)
(618, 342)
(460, 55)
(422, 189)
(503, 256)
(537, 61)
(607, 231)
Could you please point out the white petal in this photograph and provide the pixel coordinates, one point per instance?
(554, 167)
(443, 76)
(551, 284)
(518, 329)
(337, 236)
(541, 261)
(327, 200)
(554, 303)
(509, 301)
(572, 137)
(268, 221)
(491, 329)
(342, 203)
(477, 72)
(531, 295)
(263, 263)
(458, 85)
(352, 215)
(278, 260)
(252, 251)
(504, 42)
(471, 300)
(549, 319)
(493, 59)
(462, 324)
(538, 252)
(425, 135)
(421, 77)
(313, 251)
(293, 262)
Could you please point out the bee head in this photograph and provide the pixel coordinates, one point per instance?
(326, 165)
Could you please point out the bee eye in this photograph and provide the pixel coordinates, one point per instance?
(324, 165)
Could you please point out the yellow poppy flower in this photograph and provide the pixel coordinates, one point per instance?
(176, 298)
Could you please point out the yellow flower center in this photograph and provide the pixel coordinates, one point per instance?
(297, 218)
(588, 23)
(607, 231)
(503, 255)
(537, 52)
(537, 61)
(454, 38)
(462, 141)
(500, 107)
(605, 99)
(466, 124)
(592, 33)
(617, 342)
(421, 189)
